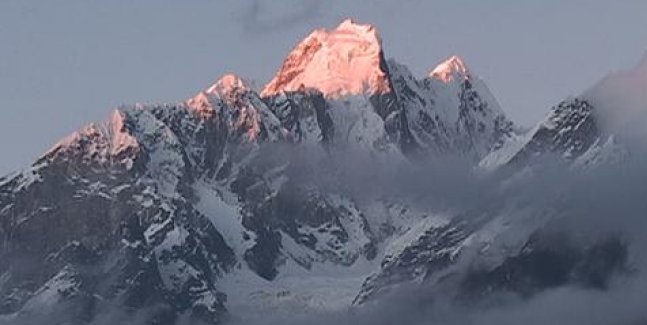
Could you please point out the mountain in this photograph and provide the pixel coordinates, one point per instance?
(594, 127)
(450, 111)
(305, 196)
(570, 130)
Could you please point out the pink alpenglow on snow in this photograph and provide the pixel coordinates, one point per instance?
(344, 61)
(451, 69)
(227, 84)
(105, 143)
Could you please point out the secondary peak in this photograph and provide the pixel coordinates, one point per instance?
(452, 68)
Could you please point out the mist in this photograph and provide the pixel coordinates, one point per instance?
(584, 206)
(621, 101)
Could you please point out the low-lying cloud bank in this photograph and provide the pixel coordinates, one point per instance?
(588, 205)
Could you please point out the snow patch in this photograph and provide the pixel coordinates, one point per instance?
(225, 216)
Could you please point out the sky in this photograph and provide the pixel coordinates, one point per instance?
(64, 64)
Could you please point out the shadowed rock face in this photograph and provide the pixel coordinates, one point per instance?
(90, 228)
(452, 112)
(569, 131)
(81, 233)
(435, 250)
(101, 229)
(305, 115)
(549, 261)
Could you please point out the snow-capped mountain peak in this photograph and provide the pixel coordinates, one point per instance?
(227, 84)
(227, 88)
(347, 60)
(454, 68)
(105, 143)
(369, 31)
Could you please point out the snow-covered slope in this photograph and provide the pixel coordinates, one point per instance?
(568, 131)
(378, 104)
(344, 61)
(451, 111)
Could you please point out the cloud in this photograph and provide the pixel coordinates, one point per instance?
(262, 17)
(621, 101)
(586, 205)
(623, 305)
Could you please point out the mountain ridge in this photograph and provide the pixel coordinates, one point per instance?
(233, 198)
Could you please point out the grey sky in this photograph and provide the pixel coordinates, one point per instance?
(66, 63)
